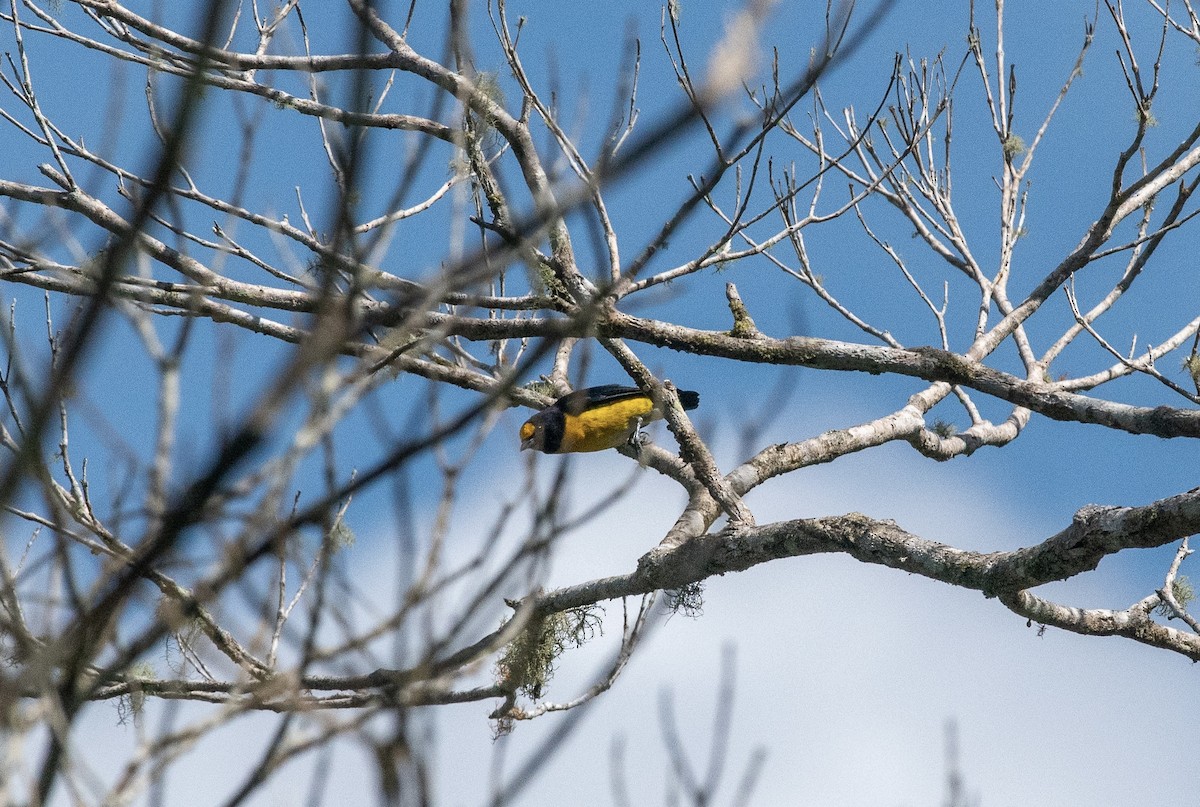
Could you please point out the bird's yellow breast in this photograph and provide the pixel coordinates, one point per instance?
(605, 425)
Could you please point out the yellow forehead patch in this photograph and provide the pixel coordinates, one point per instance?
(527, 430)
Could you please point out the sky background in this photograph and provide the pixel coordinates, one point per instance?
(845, 674)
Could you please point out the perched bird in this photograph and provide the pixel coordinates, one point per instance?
(594, 419)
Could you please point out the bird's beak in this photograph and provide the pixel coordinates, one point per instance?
(527, 443)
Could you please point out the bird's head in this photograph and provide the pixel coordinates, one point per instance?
(533, 434)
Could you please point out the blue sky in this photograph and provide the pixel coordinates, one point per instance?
(845, 673)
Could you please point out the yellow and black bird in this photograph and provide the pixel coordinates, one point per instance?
(594, 419)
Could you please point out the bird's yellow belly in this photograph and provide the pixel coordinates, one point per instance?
(605, 426)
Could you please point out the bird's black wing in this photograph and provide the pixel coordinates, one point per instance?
(581, 399)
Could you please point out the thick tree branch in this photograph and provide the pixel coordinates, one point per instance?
(1095, 533)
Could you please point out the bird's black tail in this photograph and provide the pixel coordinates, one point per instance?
(689, 399)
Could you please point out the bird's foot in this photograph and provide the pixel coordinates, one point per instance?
(637, 437)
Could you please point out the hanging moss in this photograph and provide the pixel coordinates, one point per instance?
(528, 662)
